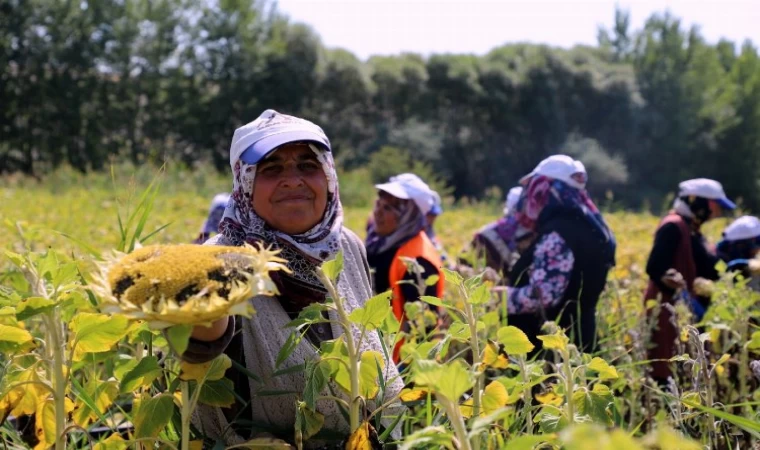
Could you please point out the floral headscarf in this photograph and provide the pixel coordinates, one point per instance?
(543, 196)
(305, 251)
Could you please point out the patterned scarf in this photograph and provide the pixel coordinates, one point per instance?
(503, 229)
(304, 252)
(410, 222)
(543, 196)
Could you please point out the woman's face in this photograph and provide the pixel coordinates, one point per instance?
(290, 189)
(715, 209)
(386, 213)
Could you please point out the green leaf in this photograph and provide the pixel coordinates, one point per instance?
(749, 425)
(691, 398)
(308, 421)
(209, 371)
(597, 404)
(65, 274)
(15, 258)
(725, 357)
(317, 376)
(143, 374)
(556, 341)
(265, 444)
(513, 339)
(452, 277)
(310, 314)
(179, 337)
(152, 415)
(97, 396)
(33, 306)
(529, 442)
(373, 313)
(473, 282)
(480, 295)
(429, 437)
(754, 342)
(333, 267)
(460, 331)
(435, 301)
(666, 438)
(288, 347)
(95, 333)
(606, 371)
(451, 380)
(432, 280)
(12, 338)
(217, 393)
(369, 384)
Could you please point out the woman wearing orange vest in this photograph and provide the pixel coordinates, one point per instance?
(398, 231)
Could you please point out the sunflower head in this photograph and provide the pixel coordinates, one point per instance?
(187, 284)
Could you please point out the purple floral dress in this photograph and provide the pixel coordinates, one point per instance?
(548, 278)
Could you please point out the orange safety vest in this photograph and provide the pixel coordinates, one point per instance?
(416, 247)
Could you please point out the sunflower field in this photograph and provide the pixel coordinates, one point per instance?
(76, 372)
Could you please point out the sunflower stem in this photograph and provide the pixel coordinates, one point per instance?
(186, 413)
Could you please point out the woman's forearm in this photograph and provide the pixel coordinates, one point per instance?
(212, 333)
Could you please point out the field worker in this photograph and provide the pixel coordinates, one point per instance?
(398, 231)
(215, 212)
(564, 270)
(285, 195)
(740, 246)
(679, 256)
(496, 242)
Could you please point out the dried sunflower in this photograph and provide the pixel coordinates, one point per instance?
(169, 285)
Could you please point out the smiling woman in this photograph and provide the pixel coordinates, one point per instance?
(285, 196)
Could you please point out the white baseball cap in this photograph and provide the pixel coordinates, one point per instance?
(745, 227)
(220, 201)
(563, 168)
(255, 140)
(513, 196)
(409, 186)
(705, 188)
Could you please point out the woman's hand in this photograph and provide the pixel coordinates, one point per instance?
(673, 279)
(704, 287)
(212, 333)
(754, 266)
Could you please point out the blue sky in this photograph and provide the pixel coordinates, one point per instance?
(368, 27)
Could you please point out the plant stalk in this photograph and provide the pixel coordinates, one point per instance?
(477, 391)
(59, 382)
(457, 422)
(526, 394)
(568, 374)
(186, 412)
(353, 357)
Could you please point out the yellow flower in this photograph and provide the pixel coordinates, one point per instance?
(168, 285)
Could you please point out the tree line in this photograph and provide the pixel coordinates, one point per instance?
(85, 82)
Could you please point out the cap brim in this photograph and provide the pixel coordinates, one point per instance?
(394, 189)
(436, 210)
(261, 148)
(726, 203)
(527, 177)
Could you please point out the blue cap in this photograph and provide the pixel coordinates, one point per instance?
(436, 210)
